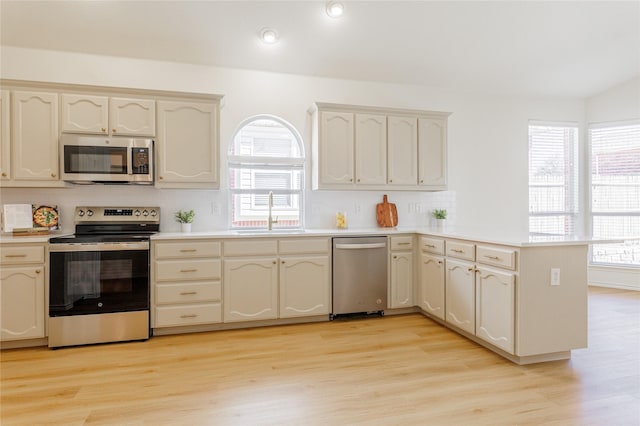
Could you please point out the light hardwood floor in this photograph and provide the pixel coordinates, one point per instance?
(396, 370)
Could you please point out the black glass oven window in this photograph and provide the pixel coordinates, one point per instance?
(98, 282)
(95, 159)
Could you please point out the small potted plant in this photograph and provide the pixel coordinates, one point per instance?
(441, 217)
(185, 219)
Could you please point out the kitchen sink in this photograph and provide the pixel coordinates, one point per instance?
(268, 232)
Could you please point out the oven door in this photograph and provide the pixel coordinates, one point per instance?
(98, 278)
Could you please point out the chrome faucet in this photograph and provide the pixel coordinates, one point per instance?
(271, 220)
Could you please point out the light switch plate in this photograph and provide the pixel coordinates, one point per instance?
(555, 276)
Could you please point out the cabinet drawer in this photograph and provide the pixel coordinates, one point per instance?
(432, 245)
(296, 246)
(502, 257)
(189, 292)
(250, 247)
(401, 243)
(169, 316)
(460, 250)
(187, 249)
(24, 254)
(197, 269)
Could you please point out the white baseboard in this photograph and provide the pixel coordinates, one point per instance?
(614, 277)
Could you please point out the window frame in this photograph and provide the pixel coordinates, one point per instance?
(258, 164)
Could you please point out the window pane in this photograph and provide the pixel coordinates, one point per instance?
(553, 195)
(615, 193)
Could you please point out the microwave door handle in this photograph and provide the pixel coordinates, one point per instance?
(130, 160)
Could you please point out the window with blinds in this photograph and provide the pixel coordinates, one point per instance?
(615, 192)
(266, 155)
(553, 179)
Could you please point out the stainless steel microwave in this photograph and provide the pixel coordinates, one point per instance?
(98, 159)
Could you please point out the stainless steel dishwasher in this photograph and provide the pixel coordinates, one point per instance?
(359, 275)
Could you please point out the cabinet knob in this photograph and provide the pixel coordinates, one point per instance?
(160, 177)
(395, 257)
(439, 262)
(390, 181)
(53, 175)
(421, 180)
(274, 262)
(37, 271)
(358, 180)
(113, 130)
(351, 180)
(470, 269)
(4, 174)
(104, 130)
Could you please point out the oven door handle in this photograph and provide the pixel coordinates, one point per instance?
(74, 247)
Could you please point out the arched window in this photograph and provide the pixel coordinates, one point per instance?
(266, 155)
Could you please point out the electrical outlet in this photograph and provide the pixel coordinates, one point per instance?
(215, 208)
(555, 276)
(418, 207)
(357, 208)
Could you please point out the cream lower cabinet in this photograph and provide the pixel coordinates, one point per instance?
(250, 280)
(187, 287)
(431, 276)
(22, 292)
(305, 283)
(495, 307)
(460, 295)
(401, 266)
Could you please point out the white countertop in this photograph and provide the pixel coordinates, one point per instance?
(491, 237)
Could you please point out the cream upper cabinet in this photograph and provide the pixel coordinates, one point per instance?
(495, 307)
(5, 136)
(371, 149)
(402, 150)
(34, 145)
(103, 115)
(336, 156)
(85, 114)
(432, 153)
(187, 145)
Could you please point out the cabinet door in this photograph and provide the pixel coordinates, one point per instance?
(432, 284)
(460, 295)
(401, 280)
(495, 308)
(250, 289)
(85, 114)
(5, 136)
(305, 288)
(132, 117)
(336, 148)
(22, 302)
(34, 125)
(402, 150)
(187, 145)
(371, 149)
(432, 152)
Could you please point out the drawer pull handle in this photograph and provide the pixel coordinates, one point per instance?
(189, 316)
(15, 255)
(492, 257)
(430, 245)
(187, 250)
(457, 251)
(188, 270)
(403, 244)
(188, 293)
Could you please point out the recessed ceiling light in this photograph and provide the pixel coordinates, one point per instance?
(269, 36)
(335, 9)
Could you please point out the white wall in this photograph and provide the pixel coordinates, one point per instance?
(488, 145)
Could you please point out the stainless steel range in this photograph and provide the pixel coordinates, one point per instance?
(99, 277)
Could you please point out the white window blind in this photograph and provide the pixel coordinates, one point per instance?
(553, 178)
(266, 155)
(615, 192)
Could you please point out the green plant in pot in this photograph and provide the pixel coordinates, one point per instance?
(441, 216)
(185, 219)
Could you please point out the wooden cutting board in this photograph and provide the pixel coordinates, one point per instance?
(386, 213)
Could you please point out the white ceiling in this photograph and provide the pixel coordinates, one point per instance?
(533, 48)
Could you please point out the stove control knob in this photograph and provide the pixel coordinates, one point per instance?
(89, 213)
(145, 213)
(154, 213)
(80, 213)
(137, 212)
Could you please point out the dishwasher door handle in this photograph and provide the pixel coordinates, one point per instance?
(361, 246)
